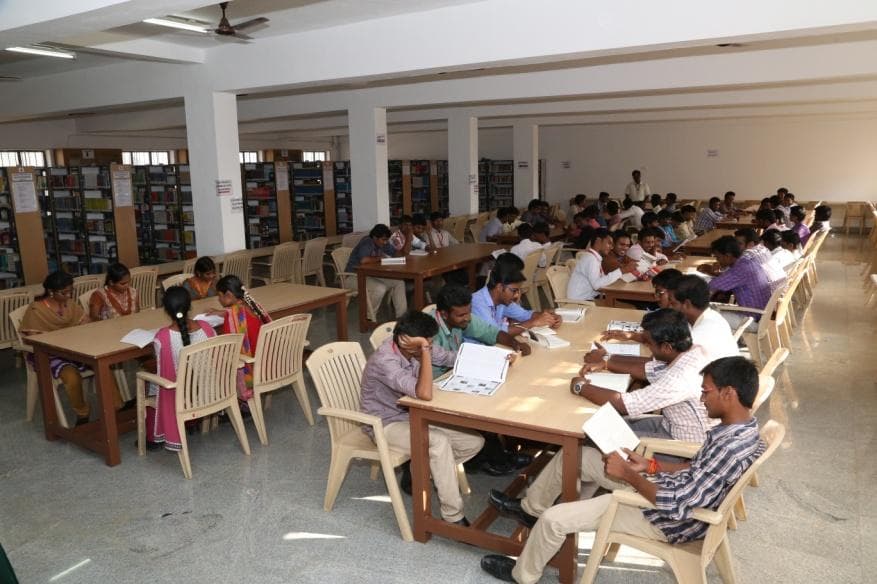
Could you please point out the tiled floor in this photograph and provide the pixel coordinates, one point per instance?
(66, 518)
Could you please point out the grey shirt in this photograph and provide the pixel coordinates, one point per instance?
(367, 248)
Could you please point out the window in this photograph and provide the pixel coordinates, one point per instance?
(311, 156)
(249, 156)
(145, 158)
(23, 158)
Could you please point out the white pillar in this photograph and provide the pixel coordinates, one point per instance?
(525, 137)
(212, 135)
(368, 166)
(463, 164)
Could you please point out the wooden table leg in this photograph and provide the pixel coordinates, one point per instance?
(421, 490)
(341, 318)
(418, 292)
(470, 272)
(363, 302)
(572, 461)
(105, 387)
(44, 381)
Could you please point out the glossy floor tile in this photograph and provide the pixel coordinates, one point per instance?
(66, 518)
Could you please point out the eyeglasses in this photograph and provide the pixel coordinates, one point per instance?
(513, 290)
(659, 293)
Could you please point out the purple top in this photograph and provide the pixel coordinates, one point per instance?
(747, 280)
(803, 232)
(389, 375)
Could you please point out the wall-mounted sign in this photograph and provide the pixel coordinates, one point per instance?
(523, 164)
(712, 153)
(223, 188)
(565, 164)
(88, 154)
(381, 139)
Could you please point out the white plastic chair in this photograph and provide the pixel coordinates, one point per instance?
(284, 265)
(144, 280)
(175, 280)
(312, 260)
(558, 279)
(9, 302)
(238, 264)
(381, 333)
(89, 283)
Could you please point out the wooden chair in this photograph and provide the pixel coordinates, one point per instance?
(558, 279)
(284, 265)
(336, 369)
(175, 280)
(278, 363)
(312, 260)
(529, 288)
(238, 264)
(689, 560)
(381, 333)
(84, 284)
(206, 384)
(8, 303)
(144, 280)
(32, 388)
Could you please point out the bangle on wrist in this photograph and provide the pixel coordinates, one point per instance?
(653, 467)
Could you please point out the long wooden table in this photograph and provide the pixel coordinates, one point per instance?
(736, 224)
(534, 403)
(420, 268)
(556, 233)
(98, 345)
(642, 290)
(701, 245)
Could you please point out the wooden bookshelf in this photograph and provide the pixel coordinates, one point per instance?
(343, 197)
(421, 195)
(308, 200)
(260, 204)
(25, 226)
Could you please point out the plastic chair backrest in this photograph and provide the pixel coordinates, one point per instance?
(207, 374)
(85, 298)
(189, 266)
(336, 369)
(475, 232)
(351, 239)
(531, 263)
(558, 279)
(285, 262)
(777, 359)
(10, 303)
(144, 280)
(742, 328)
(767, 322)
(459, 230)
(551, 252)
(381, 334)
(312, 259)
(340, 257)
(175, 280)
(84, 284)
(238, 264)
(766, 385)
(279, 348)
(571, 264)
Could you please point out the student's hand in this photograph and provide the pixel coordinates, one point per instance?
(636, 461)
(616, 467)
(522, 348)
(554, 320)
(596, 355)
(216, 312)
(628, 268)
(615, 336)
(413, 344)
(512, 358)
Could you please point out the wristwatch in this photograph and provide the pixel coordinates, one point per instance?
(577, 387)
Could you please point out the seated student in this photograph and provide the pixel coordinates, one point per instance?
(497, 301)
(632, 214)
(203, 283)
(743, 276)
(56, 310)
(792, 242)
(494, 228)
(765, 219)
(727, 207)
(242, 314)
(602, 200)
(751, 245)
(648, 241)
(161, 422)
(533, 214)
(655, 203)
(437, 235)
(772, 240)
(686, 227)
(402, 366)
(404, 239)
(821, 221)
(708, 217)
(691, 296)
(670, 237)
(670, 203)
(588, 276)
(764, 204)
(617, 256)
(676, 489)
(796, 216)
(574, 231)
(370, 250)
(612, 216)
(592, 216)
(650, 219)
(116, 298)
(664, 283)
(577, 205)
(788, 201)
(533, 239)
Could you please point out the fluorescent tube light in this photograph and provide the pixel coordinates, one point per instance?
(177, 24)
(43, 51)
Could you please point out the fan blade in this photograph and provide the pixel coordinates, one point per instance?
(9, 78)
(250, 23)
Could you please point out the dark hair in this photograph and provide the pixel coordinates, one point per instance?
(789, 195)
(436, 215)
(771, 238)
(737, 372)
(509, 259)
(595, 234)
(415, 323)
(782, 191)
(775, 201)
(666, 325)
(655, 199)
(204, 264)
(779, 215)
(664, 214)
(542, 228)
(748, 234)
(603, 195)
(714, 200)
(727, 244)
(822, 213)
(379, 231)
(177, 304)
(677, 217)
(56, 281)
(730, 195)
(453, 295)
(689, 209)
(504, 273)
(619, 234)
(525, 230)
(789, 236)
(694, 289)
(234, 285)
(404, 219)
(667, 279)
(797, 212)
(765, 203)
(419, 219)
(627, 203)
(648, 217)
(647, 231)
(670, 198)
(506, 211)
(765, 215)
(579, 199)
(612, 207)
(534, 204)
(115, 273)
(591, 211)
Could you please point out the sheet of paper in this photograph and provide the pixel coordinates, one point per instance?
(469, 386)
(482, 362)
(393, 261)
(419, 252)
(624, 325)
(609, 431)
(543, 330)
(629, 277)
(211, 319)
(570, 314)
(615, 381)
(629, 349)
(139, 337)
(552, 341)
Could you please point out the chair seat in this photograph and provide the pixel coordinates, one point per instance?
(363, 447)
(660, 549)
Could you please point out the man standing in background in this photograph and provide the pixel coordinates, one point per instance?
(636, 189)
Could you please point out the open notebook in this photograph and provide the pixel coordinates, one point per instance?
(608, 430)
(615, 381)
(479, 370)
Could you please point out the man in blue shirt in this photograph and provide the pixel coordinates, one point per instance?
(497, 302)
(370, 250)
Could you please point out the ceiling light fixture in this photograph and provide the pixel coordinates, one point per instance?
(43, 52)
(178, 24)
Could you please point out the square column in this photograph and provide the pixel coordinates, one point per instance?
(526, 150)
(463, 164)
(368, 166)
(212, 136)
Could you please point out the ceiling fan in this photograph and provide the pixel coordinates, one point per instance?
(9, 78)
(224, 28)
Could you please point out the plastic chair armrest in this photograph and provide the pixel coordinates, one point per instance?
(632, 499)
(707, 516)
(246, 359)
(671, 447)
(352, 416)
(574, 302)
(735, 308)
(156, 379)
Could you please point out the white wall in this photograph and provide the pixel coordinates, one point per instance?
(816, 157)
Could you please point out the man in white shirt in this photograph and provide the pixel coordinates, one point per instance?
(588, 276)
(637, 190)
(494, 228)
(633, 213)
(709, 329)
(773, 241)
(533, 239)
(405, 238)
(437, 235)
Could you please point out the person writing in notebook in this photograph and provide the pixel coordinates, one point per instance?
(729, 388)
(370, 250)
(588, 276)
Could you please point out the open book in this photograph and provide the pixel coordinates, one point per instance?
(610, 432)
(627, 349)
(139, 337)
(645, 263)
(570, 314)
(615, 381)
(213, 320)
(418, 252)
(479, 370)
(627, 326)
(682, 244)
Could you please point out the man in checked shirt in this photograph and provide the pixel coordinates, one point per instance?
(730, 385)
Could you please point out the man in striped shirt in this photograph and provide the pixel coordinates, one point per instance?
(708, 217)
(730, 385)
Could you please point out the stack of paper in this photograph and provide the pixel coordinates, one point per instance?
(615, 381)
(552, 341)
(139, 337)
(629, 277)
(479, 370)
(570, 314)
(610, 432)
(213, 320)
(393, 261)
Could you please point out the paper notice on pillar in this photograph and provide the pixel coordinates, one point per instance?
(473, 179)
(237, 204)
(122, 188)
(381, 139)
(281, 176)
(24, 194)
(565, 164)
(523, 164)
(223, 188)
